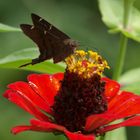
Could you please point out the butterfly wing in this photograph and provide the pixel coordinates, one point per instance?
(49, 40)
(60, 50)
(46, 26)
(64, 51)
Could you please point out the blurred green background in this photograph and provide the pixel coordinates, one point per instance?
(81, 20)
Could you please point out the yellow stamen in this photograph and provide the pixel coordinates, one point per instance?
(86, 64)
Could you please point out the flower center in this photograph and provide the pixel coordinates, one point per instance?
(82, 91)
(86, 64)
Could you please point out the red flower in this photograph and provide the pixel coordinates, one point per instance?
(81, 108)
(38, 95)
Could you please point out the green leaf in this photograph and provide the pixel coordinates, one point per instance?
(115, 134)
(130, 81)
(112, 16)
(6, 28)
(135, 88)
(130, 77)
(18, 58)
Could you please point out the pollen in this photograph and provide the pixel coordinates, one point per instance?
(86, 64)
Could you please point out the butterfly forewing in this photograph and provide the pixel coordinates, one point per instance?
(34, 34)
(46, 26)
(39, 38)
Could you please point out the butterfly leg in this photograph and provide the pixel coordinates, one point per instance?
(36, 60)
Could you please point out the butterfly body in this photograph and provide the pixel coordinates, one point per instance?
(52, 43)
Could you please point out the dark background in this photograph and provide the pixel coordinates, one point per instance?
(81, 20)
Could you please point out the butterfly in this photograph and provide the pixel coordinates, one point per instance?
(52, 42)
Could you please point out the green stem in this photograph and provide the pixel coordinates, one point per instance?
(102, 137)
(120, 57)
(127, 12)
(123, 40)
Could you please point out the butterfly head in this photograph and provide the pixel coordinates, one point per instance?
(72, 43)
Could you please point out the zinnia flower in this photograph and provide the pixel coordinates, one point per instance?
(78, 103)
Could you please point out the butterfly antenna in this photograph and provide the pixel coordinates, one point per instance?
(89, 47)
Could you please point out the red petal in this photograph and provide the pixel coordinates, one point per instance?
(124, 104)
(45, 85)
(37, 125)
(47, 126)
(78, 136)
(59, 76)
(95, 121)
(111, 88)
(24, 103)
(25, 90)
(134, 121)
(19, 129)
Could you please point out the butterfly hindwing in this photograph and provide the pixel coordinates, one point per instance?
(64, 51)
(38, 38)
